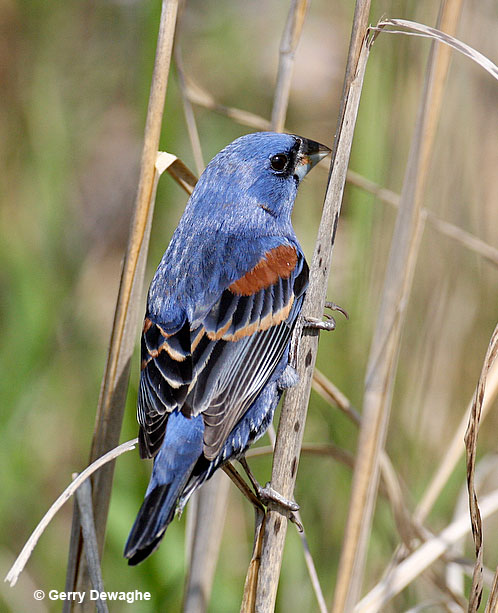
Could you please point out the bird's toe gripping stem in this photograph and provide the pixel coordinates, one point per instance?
(329, 324)
(268, 496)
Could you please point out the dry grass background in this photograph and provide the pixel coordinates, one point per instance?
(77, 81)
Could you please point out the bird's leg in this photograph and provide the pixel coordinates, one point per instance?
(238, 480)
(329, 325)
(268, 494)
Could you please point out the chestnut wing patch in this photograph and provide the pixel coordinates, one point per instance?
(229, 375)
(278, 263)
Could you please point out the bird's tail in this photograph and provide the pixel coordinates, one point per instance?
(173, 466)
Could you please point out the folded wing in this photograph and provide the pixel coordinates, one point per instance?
(219, 367)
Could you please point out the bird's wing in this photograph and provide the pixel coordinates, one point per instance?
(218, 367)
(241, 341)
(164, 382)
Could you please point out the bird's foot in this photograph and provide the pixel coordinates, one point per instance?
(329, 324)
(279, 503)
(267, 495)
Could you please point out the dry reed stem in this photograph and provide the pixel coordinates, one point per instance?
(492, 604)
(115, 381)
(293, 416)
(23, 557)
(466, 239)
(85, 510)
(419, 29)
(471, 449)
(199, 96)
(310, 565)
(409, 528)
(384, 350)
(249, 596)
(333, 395)
(207, 520)
(422, 558)
(485, 472)
(455, 449)
(176, 169)
(288, 46)
(193, 132)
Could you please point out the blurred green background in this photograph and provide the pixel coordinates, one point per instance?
(75, 79)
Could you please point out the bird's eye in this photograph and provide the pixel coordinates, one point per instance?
(279, 162)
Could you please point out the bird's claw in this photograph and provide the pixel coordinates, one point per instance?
(329, 324)
(335, 307)
(296, 522)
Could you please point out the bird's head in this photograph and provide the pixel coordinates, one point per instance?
(255, 178)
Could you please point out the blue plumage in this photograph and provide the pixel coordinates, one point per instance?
(220, 313)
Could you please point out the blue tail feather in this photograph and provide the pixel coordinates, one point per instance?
(173, 466)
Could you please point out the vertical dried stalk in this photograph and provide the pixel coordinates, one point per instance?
(492, 604)
(471, 448)
(193, 133)
(385, 345)
(115, 381)
(291, 426)
(288, 46)
(454, 450)
(207, 529)
(85, 511)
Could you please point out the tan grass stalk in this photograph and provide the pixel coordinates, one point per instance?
(199, 96)
(249, 595)
(293, 416)
(455, 449)
(128, 308)
(471, 449)
(310, 565)
(492, 604)
(288, 46)
(382, 361)
(464, 238)
(332, 394)
(193, 132)
(422, 558)
(176, 169)
(207, 518)
(420, 29)
(206, 542)
(23, 557)
(85, 513)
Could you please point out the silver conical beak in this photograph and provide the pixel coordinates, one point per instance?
(310, 153)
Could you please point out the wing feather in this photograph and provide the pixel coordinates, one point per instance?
(219, 367)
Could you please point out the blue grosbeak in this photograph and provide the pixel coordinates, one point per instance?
(220, 313)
